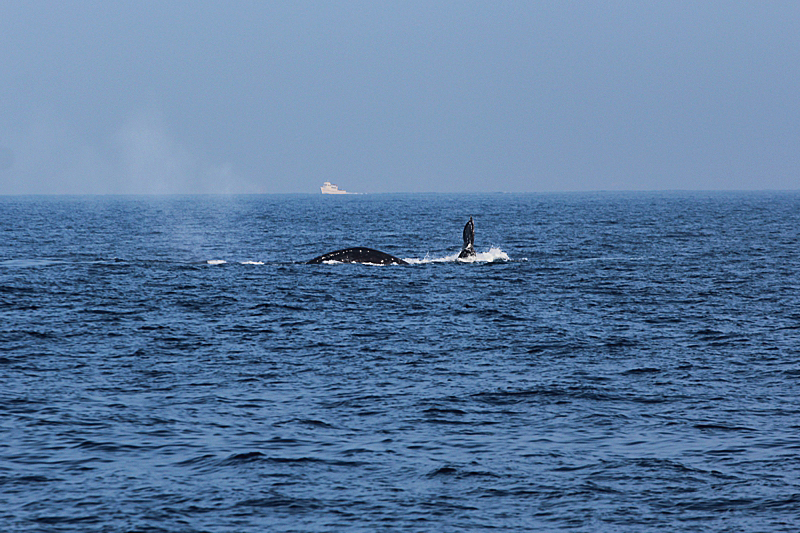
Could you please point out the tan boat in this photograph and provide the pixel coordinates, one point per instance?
(330, 188)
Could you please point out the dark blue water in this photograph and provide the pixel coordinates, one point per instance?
(612, 362)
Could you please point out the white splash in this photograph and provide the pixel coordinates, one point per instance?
(216, 261)
(494, 254)
(251, 263)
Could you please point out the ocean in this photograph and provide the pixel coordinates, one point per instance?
(609, 362)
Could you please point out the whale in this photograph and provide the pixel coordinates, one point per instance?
(469, 241)
(359, 254)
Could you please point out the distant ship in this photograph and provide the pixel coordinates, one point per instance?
(330, 188)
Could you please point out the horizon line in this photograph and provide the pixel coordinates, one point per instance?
(564, 191)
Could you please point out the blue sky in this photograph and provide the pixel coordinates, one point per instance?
(274, 97)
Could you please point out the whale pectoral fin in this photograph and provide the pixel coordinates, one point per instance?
(469, 240)
(469, 233)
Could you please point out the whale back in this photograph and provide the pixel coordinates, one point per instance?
(359, 254)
